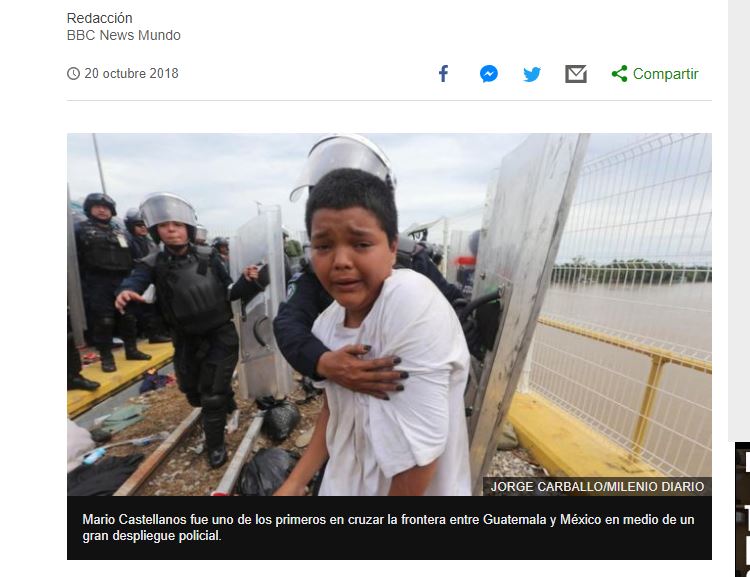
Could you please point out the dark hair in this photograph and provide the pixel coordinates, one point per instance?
(349, 188)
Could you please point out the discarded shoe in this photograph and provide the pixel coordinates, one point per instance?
(83, 384)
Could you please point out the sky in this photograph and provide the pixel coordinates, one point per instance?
(225, 176)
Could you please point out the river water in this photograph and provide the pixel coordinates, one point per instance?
(605, 385)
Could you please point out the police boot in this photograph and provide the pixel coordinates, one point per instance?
(133, 354)
(79, 382)
(128, 330)
(156, 339)
(213, 426)
(157, 333)
(108, 361)
(217, 456)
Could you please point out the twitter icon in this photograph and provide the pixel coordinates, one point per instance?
(532, 74)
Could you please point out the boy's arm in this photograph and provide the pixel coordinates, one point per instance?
(311, 461)
(412, 482)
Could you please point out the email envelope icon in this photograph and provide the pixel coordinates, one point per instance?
(576, 74)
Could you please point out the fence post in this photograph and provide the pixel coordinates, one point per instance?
(647, 404)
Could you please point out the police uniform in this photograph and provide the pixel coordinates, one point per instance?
(105, 259)
(140, 246)
(193, 297)
(306, 299)
(148, 316)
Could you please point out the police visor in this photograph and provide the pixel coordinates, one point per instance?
(165, 207)
(342, 151)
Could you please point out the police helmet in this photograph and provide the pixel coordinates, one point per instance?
(162, 207)
(133, 218)
(220, 241)
(201, 234)
(98, 198)
(342, 151)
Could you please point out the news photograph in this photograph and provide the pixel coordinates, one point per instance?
(389, 314)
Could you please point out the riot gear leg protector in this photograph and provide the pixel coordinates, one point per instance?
(214, 419)
(102, 335)
(217, 400)
(129, 331)
(193, 398)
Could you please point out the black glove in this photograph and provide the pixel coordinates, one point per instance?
(473, 338)
(459, 304)
(263, 277)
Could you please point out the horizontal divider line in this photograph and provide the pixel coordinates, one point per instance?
(376, 100)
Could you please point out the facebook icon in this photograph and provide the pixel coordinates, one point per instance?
(443, 72)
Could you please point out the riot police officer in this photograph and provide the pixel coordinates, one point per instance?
(105, 258)
(193, 293)
(141, 244)
(306, 298)
(221, 245)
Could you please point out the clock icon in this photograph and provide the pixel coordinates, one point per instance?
(74, 73)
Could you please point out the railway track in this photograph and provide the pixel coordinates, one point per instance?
(159, 459)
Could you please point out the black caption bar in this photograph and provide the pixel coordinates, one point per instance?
(367, 528)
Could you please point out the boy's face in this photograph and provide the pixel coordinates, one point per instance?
(173, 233)
(352, 257)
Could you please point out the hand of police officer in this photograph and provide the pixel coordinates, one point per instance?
(263, 275)
(125, 297)
(250, 273)
(374, 377)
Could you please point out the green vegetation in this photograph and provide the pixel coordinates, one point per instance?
(633, 271)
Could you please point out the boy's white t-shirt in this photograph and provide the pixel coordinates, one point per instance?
(371, 440)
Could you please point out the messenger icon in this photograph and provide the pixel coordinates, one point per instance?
(576, 74)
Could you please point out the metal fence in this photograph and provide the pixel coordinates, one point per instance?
(624, 338)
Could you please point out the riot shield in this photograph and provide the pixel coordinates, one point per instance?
(75, 292)
(517, 248)
(262, 369)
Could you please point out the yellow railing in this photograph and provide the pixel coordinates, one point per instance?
(659, 358)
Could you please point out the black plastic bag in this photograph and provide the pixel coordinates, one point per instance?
(266, 472)
(281, 417)
(103, 478)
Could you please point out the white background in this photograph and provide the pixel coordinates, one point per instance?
(329, 50)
